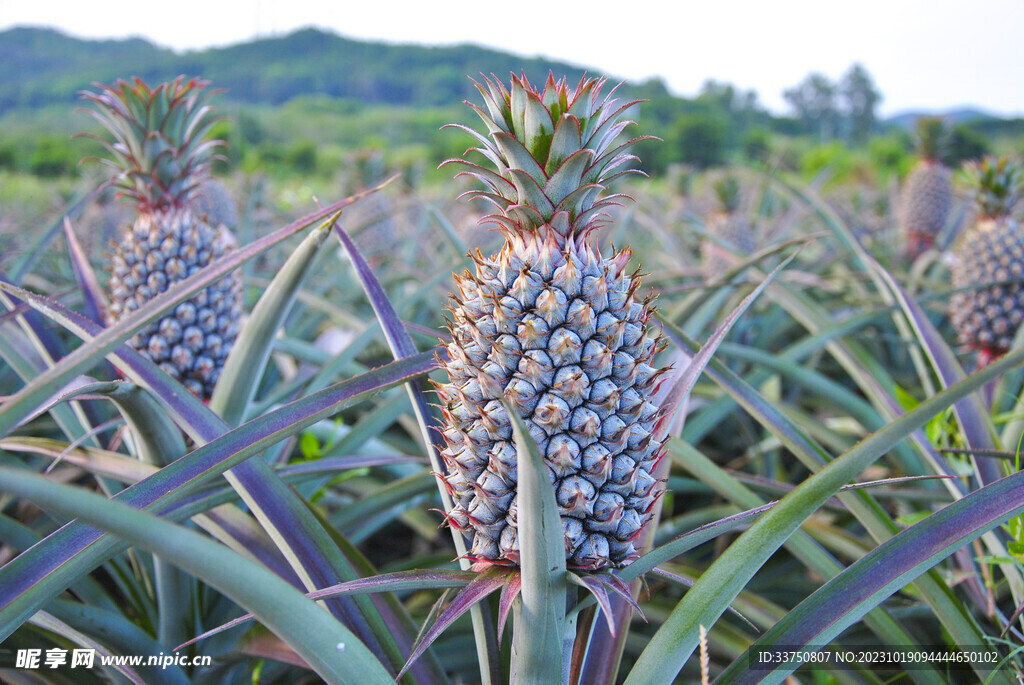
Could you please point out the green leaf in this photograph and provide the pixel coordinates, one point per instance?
(539, 623)
(25, 400)
(309, 445)
(675, 641)
(326, 645)
(884, 571)
(248, 358)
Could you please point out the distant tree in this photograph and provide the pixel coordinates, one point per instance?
(964, 144)
(743, 107)
(8, 156)
(814, 101)
(701, 139)
(302, 156)
(860, 98)
(721, 94)
(757, 144)
(53, 157)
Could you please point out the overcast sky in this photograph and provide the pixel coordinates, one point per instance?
(922, 54)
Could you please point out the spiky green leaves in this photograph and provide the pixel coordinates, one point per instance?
(997, 185)
(552, 152)
(932, 138)
(159, 153)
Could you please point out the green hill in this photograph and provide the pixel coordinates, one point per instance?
(47, 67)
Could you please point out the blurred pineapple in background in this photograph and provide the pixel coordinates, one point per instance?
(927, 194)
(989, 264)
(727, 226)
(161, 163)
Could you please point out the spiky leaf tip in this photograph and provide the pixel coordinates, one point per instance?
(997, 185)
(932, 138)
(547, 143)
(160, 151)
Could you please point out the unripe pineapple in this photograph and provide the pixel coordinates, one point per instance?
(989, 262)
(729, 226)
(927, 195)
(161, 164)
(553, 326)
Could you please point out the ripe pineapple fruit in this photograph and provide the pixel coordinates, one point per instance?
(927, 195)
(728, 225)
(161, 164)
(553, 326)
(989, 261)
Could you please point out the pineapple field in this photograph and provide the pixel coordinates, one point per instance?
(551, 395)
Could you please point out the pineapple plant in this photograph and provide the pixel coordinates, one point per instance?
(161, 164)
(927, 195)
(551, 327)
(988, 264)
(725, 225)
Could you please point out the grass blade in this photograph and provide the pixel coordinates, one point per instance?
(676, 640)
(884, 571)
(327, 646)
(245, 364)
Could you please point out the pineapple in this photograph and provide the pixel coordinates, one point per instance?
(161, 164)
(927, 195)
(730, 227)
(989, 264)
(553, 326)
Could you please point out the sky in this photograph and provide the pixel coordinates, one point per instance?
(922, 54)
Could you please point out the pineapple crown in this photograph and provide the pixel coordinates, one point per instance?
(931, 138)
(997, 185)
(159, 154)
(727, 190)
(552, 152)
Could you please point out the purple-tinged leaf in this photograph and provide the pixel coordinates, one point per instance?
(688, 541)
(687, 583)
(599, 592)
(247, 360)
(264, 492)
(334, 465)
(78, 386)
(399, 341)
(498, 184)
(50, 564)
(92, 295)
(402, 347)
(621, 588)
(23, 402)
(684, 382)
(488, 150)
(45, 337)
(416, 579)
(885, 570)
(475, 592)
(973, 419)
(312, 632)
(991, 454)
(509, 593)
(674, 642)
(36, 249)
